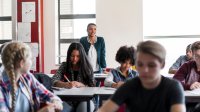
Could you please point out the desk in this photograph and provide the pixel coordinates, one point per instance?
(87, 93)
(104, 93)
(190, 97)
(100, 75)
(77, 94)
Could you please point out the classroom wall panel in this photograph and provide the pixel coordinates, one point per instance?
(34, 25)
(120, 23)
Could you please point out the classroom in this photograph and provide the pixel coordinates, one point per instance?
(79, 49)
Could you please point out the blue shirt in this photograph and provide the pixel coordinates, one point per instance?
(180, 61)
(22, 102)
(115, 75)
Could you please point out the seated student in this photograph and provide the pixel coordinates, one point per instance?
(150, 91)
(117, 77)
(189, 73)
(19, 90)
(181, 60)
(75, 72)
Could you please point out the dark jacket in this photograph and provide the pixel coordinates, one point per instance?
(100, 48)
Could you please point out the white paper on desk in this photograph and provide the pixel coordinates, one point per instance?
(195, 91)
(28, 11)
(109, 88)
(24, 32)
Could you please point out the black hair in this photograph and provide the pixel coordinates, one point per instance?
(85, 69)
(90, 25)
(125, 53)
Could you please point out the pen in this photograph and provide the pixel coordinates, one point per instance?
(66, 78)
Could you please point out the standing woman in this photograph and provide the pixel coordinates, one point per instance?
(95, 48)
(150, 91)
(19, 90)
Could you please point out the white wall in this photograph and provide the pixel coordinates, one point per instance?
(120, 23)
(49, 35)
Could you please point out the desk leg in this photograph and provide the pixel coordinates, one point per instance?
(100, 101)
(88, 106)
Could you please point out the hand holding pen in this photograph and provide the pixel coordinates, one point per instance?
(68, 83)
(66, 78)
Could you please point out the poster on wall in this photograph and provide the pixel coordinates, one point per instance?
(24, 32)
(28, 11)
(35, 52)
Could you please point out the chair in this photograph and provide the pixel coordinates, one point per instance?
(45, 80)
(102, 81)
(122, 108)
(53, 71)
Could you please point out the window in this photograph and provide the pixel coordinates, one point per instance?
(173, 23)
(74, 16)
(5, 21)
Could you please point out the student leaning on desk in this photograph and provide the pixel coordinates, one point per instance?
(19, 90)
(150, 91)
(75, 72)
(181, 60)
(117, 77)
(189, 73)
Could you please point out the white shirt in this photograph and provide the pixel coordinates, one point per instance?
(92, 57)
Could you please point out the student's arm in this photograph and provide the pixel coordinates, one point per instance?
(59, 73)
(45, 96)
(173, 69)
(109, 106)
(91, 80)
(178, 108)
(181, 76)
(63, 84)
(108, 82)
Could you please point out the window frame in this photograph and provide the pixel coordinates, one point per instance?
(65, 17)
(5, 18)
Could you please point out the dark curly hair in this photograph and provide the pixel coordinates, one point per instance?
(125, 53)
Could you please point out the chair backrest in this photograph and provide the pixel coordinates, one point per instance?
(122, 108)
(102, 81)
(53, 71)
(45, 80)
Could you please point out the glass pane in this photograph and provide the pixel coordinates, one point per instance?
(5, 7)
(74, 28)
(171, 17)
(77, 7)
(5, 30)
(63, 51)
(174, 50)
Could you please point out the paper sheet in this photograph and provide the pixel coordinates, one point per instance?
(34, 48)
(24, 32)
(28, 11)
